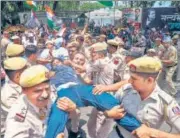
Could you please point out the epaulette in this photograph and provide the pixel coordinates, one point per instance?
(165, 97)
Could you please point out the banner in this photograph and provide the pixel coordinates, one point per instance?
(161, 18)
(132, 14)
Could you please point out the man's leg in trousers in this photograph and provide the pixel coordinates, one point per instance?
(170, 85)
(161, 79)
(75, 118)
(98, 125)
(178, 70)
(106, 126)
(82, 95)
(92, 123)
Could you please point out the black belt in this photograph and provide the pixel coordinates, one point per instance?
(171, 66)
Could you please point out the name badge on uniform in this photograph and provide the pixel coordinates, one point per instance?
(176, 110)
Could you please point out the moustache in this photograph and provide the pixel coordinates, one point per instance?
(43, 99)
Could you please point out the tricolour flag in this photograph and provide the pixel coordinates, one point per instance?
(31, 4)
(106, 3)
(50, 17)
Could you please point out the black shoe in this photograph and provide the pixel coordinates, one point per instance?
(73, 134)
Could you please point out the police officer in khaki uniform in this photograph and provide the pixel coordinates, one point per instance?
(121, 44)
(124, 92)
(159, 48)
(116, 58)
(124, 73)
(28, 116)
(102, 72)
(156, 106)
(176, 43)
(169, 60)
(101, 38)
(4, 42)
(11, 90)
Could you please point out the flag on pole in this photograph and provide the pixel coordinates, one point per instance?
(50, 17)
(106, 3)
(31, 4)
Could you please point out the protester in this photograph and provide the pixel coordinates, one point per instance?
(115, 69)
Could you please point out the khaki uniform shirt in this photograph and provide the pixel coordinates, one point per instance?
(24, 120)
(159, 50)
(118, 63)
(178, 48)
(152, 110)
(170, 54)
(121, 51)
(101, 71)
(10, 92)
(4, 43)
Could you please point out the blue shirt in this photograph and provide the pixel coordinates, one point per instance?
(64, 74)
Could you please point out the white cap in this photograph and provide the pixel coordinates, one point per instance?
(15, 37)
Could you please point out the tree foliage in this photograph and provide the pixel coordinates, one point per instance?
(66, 5)
(87, 6)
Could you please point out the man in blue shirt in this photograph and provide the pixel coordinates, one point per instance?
(82, 95)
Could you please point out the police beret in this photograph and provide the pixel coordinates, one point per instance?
(15, 63)
(34, 75)
(175, 37)
(14, 49)
(99, 47)
(145, 65)
(113, 42)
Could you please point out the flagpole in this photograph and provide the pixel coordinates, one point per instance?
(114, 11)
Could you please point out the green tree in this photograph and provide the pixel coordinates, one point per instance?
(88, 6)
(66, 5)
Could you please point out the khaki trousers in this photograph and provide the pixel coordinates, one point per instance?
(98, 125)
(165, 80)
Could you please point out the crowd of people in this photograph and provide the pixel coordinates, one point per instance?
(125, 74)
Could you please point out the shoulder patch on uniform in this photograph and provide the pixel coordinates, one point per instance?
(176, 110)
(20, 116)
